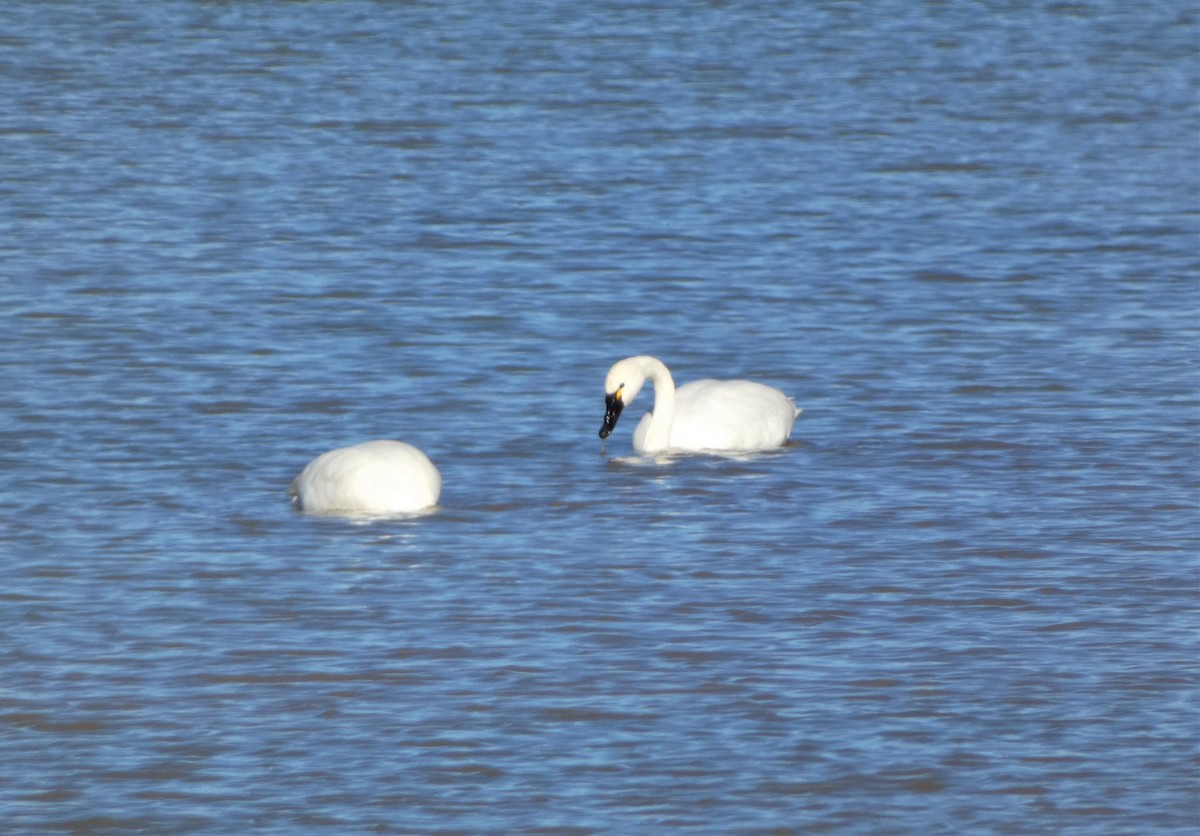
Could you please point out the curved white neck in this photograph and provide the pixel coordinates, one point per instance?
(658, 432)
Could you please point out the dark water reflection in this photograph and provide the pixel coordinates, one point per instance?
(962, 600)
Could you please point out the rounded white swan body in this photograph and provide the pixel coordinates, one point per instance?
(376, 478)
(722, 415)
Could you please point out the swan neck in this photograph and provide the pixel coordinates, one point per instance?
(658, 434)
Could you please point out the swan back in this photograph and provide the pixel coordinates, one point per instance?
(371, 479)
(731, 415)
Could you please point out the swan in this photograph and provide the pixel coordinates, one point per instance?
(738, 415)
(375, 478)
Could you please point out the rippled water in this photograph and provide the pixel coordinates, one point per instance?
(963, 236)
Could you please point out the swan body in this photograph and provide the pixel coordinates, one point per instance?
(733, 415)
(376, 478)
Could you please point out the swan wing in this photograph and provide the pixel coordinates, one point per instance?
(731, 415)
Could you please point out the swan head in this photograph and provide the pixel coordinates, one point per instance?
(622, 385)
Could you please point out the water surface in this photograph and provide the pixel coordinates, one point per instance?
(963, 237)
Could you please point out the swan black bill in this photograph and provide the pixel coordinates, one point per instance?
(612, 411)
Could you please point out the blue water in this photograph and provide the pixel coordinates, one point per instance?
(964, 237)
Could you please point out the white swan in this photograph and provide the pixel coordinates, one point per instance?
(376, 478)
(737, 415)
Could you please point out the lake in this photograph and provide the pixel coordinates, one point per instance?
(965, 237)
